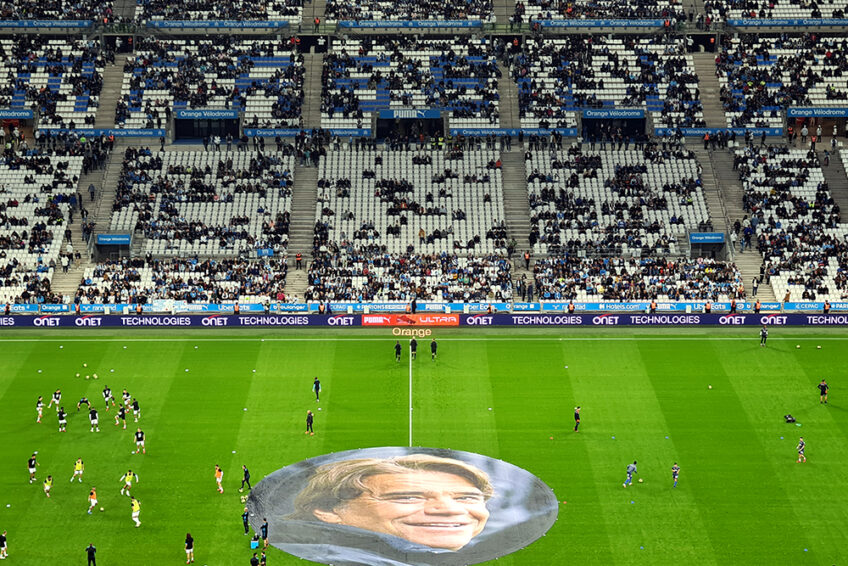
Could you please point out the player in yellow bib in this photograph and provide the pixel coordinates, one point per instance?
(79, 469)
(48, 485)
(136, 509)
(128, 478)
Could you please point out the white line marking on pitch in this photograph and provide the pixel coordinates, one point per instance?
(67, 339)
(410, 399)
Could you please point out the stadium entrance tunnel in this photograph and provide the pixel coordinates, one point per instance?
(199, 124)
(406, 123)
(598, 127)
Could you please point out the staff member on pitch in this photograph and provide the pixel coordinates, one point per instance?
(823, 392)
(413, 347)
(244, 517)
(309, 419)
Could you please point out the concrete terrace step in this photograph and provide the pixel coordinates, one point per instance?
(508, 94)
(516, 204)
(709, 85)
(113, 80)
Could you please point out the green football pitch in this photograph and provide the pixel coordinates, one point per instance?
(241, 398)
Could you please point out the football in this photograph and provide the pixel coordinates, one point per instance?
(102, 509)
(641, 480)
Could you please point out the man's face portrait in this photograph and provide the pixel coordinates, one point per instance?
(432, 508)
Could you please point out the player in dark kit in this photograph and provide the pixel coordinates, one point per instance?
(263, 532)
(316, 387)
(92, 417)
(32, 464)
(413, 347)
(107, 397)
(244, 517)
(63, 419)
(802, 446)
(763, 335)
(397, 351)
(675, 472)
(245, 479)
(309, 419)
(55, 400)
(823, 392)
(121, 417)
(576, 418)
(139, 442)
(433, 347)
(84, 401)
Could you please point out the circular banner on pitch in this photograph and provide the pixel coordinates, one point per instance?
(397, 506)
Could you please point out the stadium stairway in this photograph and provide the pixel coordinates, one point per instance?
(508, 103)
(730, 191)
(837, 179)
(706, 69)
(302, 227)
(516, 205)
(113, 81)
(503, 9)
(125, 9)
(312, 90)
(712, 190)
(101, 212)
(310, 10)
(67, 283)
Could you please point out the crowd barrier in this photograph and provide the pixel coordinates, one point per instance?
(180, 307)
(206, 114)
(479, 132)
(417, 324)
(816, 112)
(117, 132)
(58, 24)
(782, 22)
(371, 24)
(613, 113)
(699, 132)
(216, 24)
(16, 114)
(601, 23)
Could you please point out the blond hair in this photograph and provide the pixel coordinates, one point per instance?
(336, 483)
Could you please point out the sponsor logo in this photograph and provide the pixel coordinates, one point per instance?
(88, 320)
(155, 321)
(546, 320)
(664, 319)
(214, 320)
(47, 320)
(273, 320)
(732, 319)
(417, 332)
(827, 319)
(341, 320)
(7, 321)
(410, 320)
(480, 320)
(774, 319)
(605, 319)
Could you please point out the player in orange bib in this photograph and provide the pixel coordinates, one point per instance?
(219, 477)
(92, 500)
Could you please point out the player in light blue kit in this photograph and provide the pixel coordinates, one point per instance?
(631, 469)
